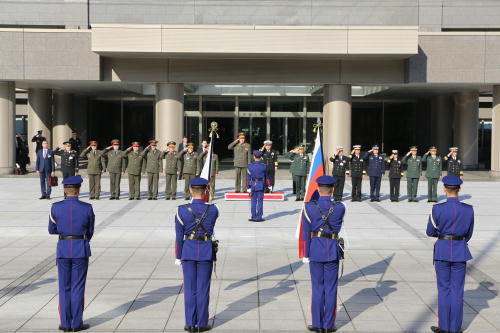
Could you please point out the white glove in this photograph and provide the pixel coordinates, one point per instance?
(249, 190)
(305, 260)
(178, 262)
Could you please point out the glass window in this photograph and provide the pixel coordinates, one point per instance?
(191, 103)
(244, 125)
(258, 132)
(252, 104)
(277, 134)
(191, 129)
(314, 104)
(217, 103)
(294, 137)
(287, 104)
(138, 124)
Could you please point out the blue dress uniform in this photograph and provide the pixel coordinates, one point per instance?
(321, 224)
(375, 169)
(73, 221)
(452, 222)
(193, 247)
(257, 179)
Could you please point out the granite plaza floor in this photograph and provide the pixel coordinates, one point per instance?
(388, 283)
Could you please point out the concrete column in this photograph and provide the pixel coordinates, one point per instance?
(495, 133)
(442, 123)
(62, 119)
(39, 117)
(336, 117)
(466, 127)
(7, 127)
(169, 120)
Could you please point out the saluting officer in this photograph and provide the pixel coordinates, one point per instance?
(413, 172)
(432, 173)
(453, 164)
(69, 160)
(321, 223)
(154, 166)
(395, 173)
(242, 157)
(75, 142)
(189, 160)
(356, 170)
(172, 170)
(299, 168)
(257, 180)
(116, 167)
(73, 221)
(452, 222)
(375, 169)
(270, 159)
(214, 169)
(95, 165)
(135, 166)
(38, 139)
(194, 228)
(339, 169)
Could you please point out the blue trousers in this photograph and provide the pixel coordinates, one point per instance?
(257, 205)
(375, 187)
(324, 279)
(44, 178)
(197, 277)
(72, 277)
(450, 282)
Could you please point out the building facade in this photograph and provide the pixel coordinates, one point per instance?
(389, 72)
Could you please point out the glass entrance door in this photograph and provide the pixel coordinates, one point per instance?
(226, 136)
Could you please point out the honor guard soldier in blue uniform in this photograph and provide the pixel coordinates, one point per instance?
(452, 223)
(73, 221)
(375, 168)
(257, 179)
(195, 251)
(321, 224)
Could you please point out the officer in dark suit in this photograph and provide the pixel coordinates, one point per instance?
(270, 159)
(356, 170)
(395, 172)
(203, 146)
(321, 224)
(453, 164)
(452, 223)
(257, 180)
(69, 160)
(183, 144)
(38, 139)
(75, 141)
(194, 228)
(339, 170)
(73, 221)
(375, 168)
(45, 168)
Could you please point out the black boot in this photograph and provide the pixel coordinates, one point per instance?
(81, 328)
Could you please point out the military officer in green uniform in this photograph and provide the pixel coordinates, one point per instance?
(453, 163)
(189, 159)
(242, 157)
(172, 170)
(115, 165)
(413, 164)
(214, 169)
(154, 166)
(135, 166)
(95, 165)
(299, 168)
(432, 173)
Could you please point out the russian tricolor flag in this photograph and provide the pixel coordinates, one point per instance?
(317, 170)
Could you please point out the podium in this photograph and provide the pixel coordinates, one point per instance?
(241, 196)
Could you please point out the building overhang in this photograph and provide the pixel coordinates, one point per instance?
(218, 41)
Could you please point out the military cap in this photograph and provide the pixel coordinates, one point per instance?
(115, 142)
(454, 149)
(452, 181)
(340, 148)
(268, 142)
(198, 182)
(153, 142)
(73, 132)
(394, 151)
(190, 145)
(356, 147)
(241, 135)
(135, 144)
(301, 147)
(325, 181)
(93, 143)
(413, 148)
(171, 143)
(375, 147)
(433, 148)
(73, 181)
(66, 143)
(39, 131)
(257, 153)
